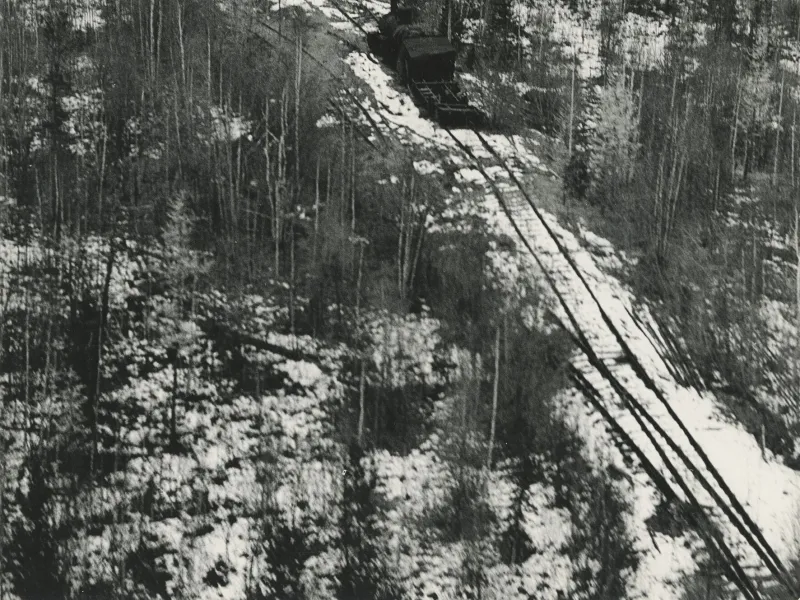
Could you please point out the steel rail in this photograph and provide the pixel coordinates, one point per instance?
(710, 535)
(763, 548)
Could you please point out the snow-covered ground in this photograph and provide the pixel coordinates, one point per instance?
(84, 15)
(191, 506)
(642, 39)
(224, 430)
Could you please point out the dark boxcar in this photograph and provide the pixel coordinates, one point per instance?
(428, 59)
(426, 64)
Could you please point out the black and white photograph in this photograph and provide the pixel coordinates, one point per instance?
(399, 299)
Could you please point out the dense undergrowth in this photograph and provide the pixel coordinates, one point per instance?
(236, 358)
(200, 446)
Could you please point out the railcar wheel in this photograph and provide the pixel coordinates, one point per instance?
(402, 68)
(374, 42)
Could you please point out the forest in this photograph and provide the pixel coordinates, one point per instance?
(258, 341)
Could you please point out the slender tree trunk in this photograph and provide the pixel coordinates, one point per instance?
(179, 7)
(208, 65)
(239, 170)
(27, 407)
(753, 277)
(408, 243)
(173, 405)
(420, 240)
(749, 147)
(158, 38)
(465, 400)
(101, 185)
(221, 95)
(400, 288)
(352, 181)
(450, 20)
(386, 373)
(345, 173)
(571, 108)
(58, 205)
(328, 185)
(778, 132)
(316, 216)
(268, 167)
(362, 361)
(797, 289)
(361, 390)
(152, 43)
(658, 209)
(673, 206)
(232, 203)
(291, 277)
(297, 82)
(794, 123)
(735, 130)
(280, 183)
(359, 275)
(495, 390)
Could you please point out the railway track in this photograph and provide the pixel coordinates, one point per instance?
(621, 388)
(620, 385)
(603, 373)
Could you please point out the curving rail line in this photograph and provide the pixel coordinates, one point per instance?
(684, 474)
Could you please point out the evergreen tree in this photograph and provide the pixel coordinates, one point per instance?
(599, 543)
(611, 17)
(37, 555)
(515, 545)
(723, 16)
(286, 547)
(364, 574)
